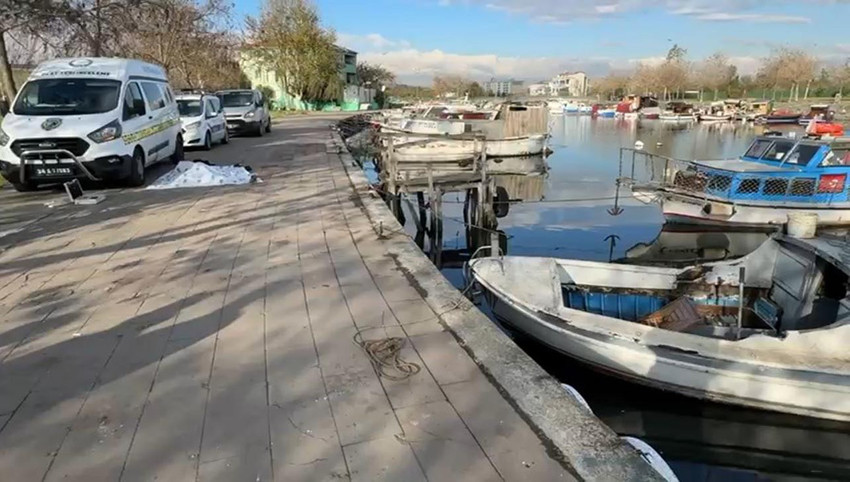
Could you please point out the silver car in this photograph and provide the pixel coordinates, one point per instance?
(246, 111)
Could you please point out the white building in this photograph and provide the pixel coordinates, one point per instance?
(502, 87)
(575, 84)
(538, 89)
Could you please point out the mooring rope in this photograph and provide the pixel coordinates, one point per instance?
(385, 355)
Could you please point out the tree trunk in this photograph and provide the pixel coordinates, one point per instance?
(6, 78)
(715, 93)
(808, 84)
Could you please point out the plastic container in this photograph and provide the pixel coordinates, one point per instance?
(802, 225)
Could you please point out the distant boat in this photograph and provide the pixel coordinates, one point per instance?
(571, 108)
(816, 112)
(555, 107)
(781, 117)
(781, 347)
(608, 113)
(715, 117)
(584, 109)
(671, 116)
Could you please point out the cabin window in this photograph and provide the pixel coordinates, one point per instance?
(837, 157)
(778, 151)
(749, 186)
(775, 187)
(803, 154)
(802, 186)
(758, 148)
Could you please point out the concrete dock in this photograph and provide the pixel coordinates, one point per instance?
(207, 334)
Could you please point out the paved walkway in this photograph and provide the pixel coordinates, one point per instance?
(206, 334)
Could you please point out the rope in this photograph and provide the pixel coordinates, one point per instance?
(385, 355)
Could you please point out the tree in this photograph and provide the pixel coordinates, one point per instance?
(474, 89)
(612, 85)
(288, 40)
(24, 17)
(374, 75)
(787, 67)
(715, 73)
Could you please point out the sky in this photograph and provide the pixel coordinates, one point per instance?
(533, 40)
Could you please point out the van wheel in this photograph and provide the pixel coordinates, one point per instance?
(24, 186)
(177, 156)
(268, 125)
(136, 177)
(260, 129)
(207, 141)
(226, 138)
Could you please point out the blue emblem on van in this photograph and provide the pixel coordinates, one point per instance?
(51, 123)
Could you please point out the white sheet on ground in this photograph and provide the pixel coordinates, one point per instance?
(198, 174)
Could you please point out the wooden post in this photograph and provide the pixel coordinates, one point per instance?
(437, 209)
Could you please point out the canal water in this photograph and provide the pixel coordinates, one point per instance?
(574, 210)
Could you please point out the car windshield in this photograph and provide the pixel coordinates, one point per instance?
(236, 99)
(67, 97)
(189, 108)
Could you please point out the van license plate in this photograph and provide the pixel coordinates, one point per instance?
(52, 171)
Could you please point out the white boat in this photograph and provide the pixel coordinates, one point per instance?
(555, 107)
(571, 107)
(678, 329)
(425, 126)
(715, 117)
(584, 109)
(673, 117)
(418, 149)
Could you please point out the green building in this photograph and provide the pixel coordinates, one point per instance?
(355, 96)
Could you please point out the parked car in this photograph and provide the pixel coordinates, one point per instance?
(202, 119)
(246, 111)
(93, 118)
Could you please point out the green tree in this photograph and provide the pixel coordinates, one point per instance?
(289, 40)
(475, 90)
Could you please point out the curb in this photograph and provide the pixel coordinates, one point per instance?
(574, 436)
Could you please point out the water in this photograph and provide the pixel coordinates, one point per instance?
(701, 441)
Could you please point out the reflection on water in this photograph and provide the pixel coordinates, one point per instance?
(575, 216)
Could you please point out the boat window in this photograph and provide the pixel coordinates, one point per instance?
(758, 148)
(778, 151)
(837, 157)
(803, 154)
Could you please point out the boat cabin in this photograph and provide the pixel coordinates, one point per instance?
(761, 107)
(774, 169)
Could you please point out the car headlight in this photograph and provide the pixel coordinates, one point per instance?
(193, 125)
(4, 138)
(107, 133)
(249, 115)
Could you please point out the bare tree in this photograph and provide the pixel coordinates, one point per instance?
(715, 72)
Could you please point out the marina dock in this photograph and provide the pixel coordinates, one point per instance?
(210, 334)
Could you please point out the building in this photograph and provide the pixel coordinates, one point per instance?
(354, 95)
(538, 89)
(575, 84)
(503, 88)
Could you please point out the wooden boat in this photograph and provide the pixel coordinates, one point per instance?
(411, 148)
(673, 117)
(820, 112)
(781, 116)
(715, 117)
(776, 177)
(782, 346)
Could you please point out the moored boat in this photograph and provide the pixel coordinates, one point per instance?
(418, 149)
(780, 347)
(775, 178)
(781, 116)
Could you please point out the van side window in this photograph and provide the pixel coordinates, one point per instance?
(216, 104)
(134, 103)
(153, 92)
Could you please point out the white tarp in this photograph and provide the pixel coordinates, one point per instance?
(198, 174)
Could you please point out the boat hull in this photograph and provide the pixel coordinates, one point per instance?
(691, 375)
(410, 149)
(684, 209)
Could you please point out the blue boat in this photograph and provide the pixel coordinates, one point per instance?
(775, 178)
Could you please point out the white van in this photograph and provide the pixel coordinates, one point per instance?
(93, 118)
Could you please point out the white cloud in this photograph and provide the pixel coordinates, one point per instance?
(563, 11)
(420, 66)
(369, 42)
(751, 17)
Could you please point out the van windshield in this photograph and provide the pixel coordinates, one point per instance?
(67, 97)
(189, 108)
(237, 99)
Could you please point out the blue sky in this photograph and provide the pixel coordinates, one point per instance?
(534, 39)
